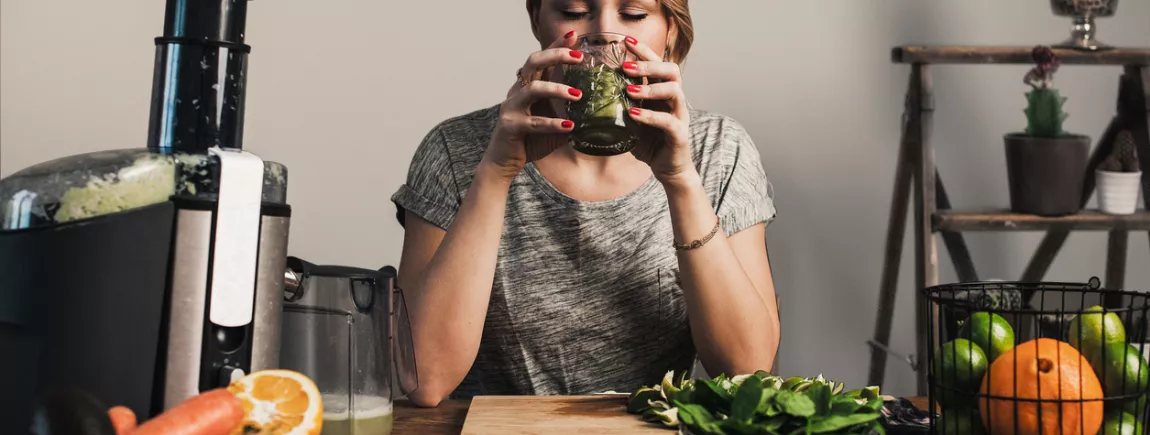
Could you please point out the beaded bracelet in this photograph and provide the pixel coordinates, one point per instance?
(698, 243)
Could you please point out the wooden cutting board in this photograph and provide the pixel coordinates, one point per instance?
(522, 415)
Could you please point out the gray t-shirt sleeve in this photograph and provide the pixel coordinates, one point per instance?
(748, 197)
(430, 190)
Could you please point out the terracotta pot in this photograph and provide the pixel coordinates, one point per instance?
(1046, 175)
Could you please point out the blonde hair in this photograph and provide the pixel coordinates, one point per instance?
(679, 17)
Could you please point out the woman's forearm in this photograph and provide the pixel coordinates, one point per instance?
(450, 304)
(734, 330)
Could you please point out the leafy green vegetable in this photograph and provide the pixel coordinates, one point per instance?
(759, 403)
(747, 400)
(714, 397)
(837, 422)
(638, 401)
(669, 417)
(820, 395)
(796, 404)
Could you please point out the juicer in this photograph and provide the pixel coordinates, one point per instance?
(145, 276)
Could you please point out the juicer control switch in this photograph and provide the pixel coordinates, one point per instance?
(228, 374)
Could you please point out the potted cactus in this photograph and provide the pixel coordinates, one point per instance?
(1045, 165)
(1119, 177)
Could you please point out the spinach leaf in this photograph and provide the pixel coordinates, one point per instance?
(747, 399)
(711, 396)
(845, 407)
(795, 404)
(698, 419)
(791, 383)
(637, 403)
(774, 423)
(874, 405)
(767, 403)
(773, 408)
(838, 422)
(821, 396)
(760, 403)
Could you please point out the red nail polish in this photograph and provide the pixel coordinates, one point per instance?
(569, 34)
(576, 54)
(575, 92)
(636, 111)
(630, 65)
(632, 41)
(568, 124)
(633, 89)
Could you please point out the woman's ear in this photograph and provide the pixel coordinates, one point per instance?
(672, 38)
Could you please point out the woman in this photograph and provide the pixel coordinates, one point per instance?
(531, 268)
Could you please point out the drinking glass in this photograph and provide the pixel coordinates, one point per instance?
(602, 125)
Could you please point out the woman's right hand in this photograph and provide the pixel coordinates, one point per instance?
(510, 148)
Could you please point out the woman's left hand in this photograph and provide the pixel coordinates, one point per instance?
(670, 157)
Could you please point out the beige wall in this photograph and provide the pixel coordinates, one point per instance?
(334, 91)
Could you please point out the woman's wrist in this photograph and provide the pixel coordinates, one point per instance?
(492, 172)
(681, 182)
(692, 215)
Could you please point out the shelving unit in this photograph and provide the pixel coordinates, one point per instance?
(934, 215)
(1005, 220)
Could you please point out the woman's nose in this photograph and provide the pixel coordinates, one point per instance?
(604, 37)
(607, 21)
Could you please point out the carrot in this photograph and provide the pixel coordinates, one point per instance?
(123, 419)
(215, 412)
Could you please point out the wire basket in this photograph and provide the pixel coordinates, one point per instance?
(1037, 358)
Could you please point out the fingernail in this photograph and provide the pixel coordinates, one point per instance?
(569, 34)
(567, 124)
(636, 111)
(632, 41)
(575, 92)
(633, 89)
(630, 65)
(576, 54)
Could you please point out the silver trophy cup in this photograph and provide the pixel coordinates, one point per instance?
(1083, 12)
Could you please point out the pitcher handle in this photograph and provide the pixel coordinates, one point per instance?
(402, 345)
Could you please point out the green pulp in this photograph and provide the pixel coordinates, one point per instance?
(602, 124)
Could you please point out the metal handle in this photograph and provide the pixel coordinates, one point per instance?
(293, 289)
(291, 281)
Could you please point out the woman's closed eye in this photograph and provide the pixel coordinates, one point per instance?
(574, 15)
(627, 16)
(634, 16)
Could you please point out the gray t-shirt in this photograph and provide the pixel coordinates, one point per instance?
(586, 295)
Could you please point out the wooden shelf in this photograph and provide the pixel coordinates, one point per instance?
(1003, 220)
(1015, 55)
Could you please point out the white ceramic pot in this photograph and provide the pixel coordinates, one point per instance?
(1118, 191)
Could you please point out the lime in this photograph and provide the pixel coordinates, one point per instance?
(1121, 424)
(1123, 371)
(1090, 332)
(958, 372)
(989, 331)
(960, 421)
(1134, 407)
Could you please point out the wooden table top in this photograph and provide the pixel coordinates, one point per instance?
(448, 417)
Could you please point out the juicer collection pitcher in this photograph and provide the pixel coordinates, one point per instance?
(347, 329)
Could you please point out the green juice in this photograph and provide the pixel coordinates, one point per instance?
(602, 125)
(372, 416)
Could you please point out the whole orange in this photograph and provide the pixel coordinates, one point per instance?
(1054, 384)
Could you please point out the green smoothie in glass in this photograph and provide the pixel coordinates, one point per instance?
(602, 125)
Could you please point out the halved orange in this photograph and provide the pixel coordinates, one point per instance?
(278, 402)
